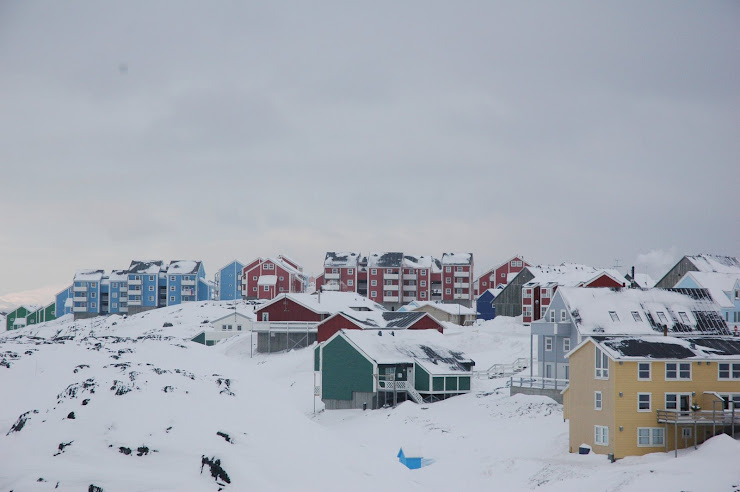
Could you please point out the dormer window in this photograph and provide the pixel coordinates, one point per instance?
(614, 316)
(684, 317)
(636, 316)
(662, 317)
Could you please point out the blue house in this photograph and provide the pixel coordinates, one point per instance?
(724, 288)
(228, 281)
(146, 285)
(64, 302)
(186, 282)
(87, 290)
(484, 304)
(117, 284)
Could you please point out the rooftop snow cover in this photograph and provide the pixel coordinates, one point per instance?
(644, 280)
(385, 260)
(457, 258)
(717, 284)
(660, 347)
(715, 263)
(342, 259)
(330, 302)
(570, 274)
(150, 267)
(178, 267)
(89, 275)
(410, 261)
(428, 347)
(447, 308)
(287, 267)
(267, 280)
(591, 310)
(118, 275)
(399, 320)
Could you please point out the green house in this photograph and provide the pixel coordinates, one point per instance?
(374, 368)
(30, 315)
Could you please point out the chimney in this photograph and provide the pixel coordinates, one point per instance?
(633, 272)
(319, 295)
(665, 330)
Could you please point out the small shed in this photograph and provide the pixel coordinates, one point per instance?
(484, 304)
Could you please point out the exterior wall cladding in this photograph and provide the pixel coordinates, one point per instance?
(329, 327)
(288, 310)
(286, 281)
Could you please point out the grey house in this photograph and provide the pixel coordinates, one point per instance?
(698, 263)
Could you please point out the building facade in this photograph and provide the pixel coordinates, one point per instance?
(228, 284)
(499, 276)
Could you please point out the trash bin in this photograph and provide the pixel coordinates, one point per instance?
(610, 457)
(584, 449)
(364, 405)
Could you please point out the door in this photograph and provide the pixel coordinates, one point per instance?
(685, 401)
(548, 370)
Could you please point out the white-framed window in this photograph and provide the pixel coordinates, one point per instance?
(172, 288)
(115, 305)
(552, 316)
(223, 327)
(335, 270)
(543, 309)
(527, 293)
(601, 365)
(527, 311)
(684, 317)
(92, 305)
(373, 293)
(728, 370)
(238, 327)
(614, 315)
(598, 402)
(350, 271)
(636, 316)
(650, 437)
(388, 293)
(254, 289)
(423, 295)
(282, 278)
(373, 271)
(643, 402)
(422, 283)
(265, 316)
(151, 298)
(448, 280)
(662, 317)
(548, 344)
(671, 401)
(448, 291)
(266, 288)
(545, 293)
(172, 298)
(93, 285)
(254, 277)
(448, 269)
(601, 435)
(513, 263)
(562, 315)
(388, 270)
(269, 266)
(350, 282)
(373, 283)
(643, 371)
(114, 295)
(151, 288)
(566, 345)
(93, 295)
(281, 289)
(678, 371)
(423, 272)
(172, 278)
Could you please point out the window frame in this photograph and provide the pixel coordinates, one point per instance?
(652, 434)
(678, 370)
(548, 344)
(733, 374)
(601, 438)
(649, 371)
(649, 402)
(598, 401)
(601, 364)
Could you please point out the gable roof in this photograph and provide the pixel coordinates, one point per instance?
(591, 310)
(410, 261)
(328, 302)
(457, 258)
(89, 275)
(183, 267)
(427, 347)
(444, 307)
(571, 274)
(715, 263)
(385, 260)
(660, 347)
(340, 259)
(493, 269)
(718, 284)
(146, 266)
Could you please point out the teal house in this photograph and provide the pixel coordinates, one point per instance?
(368, 369)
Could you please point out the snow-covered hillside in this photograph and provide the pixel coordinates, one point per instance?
(129, 404)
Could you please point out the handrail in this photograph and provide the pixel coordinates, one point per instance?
(697, 417)
(502, 370)
(538, 382)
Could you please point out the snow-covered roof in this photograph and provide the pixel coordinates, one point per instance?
(644, 281)
(426, 347)
(715, 263)
(286, 266)
(329, 302)
(445, 307)
(570, 274)
(118, 276)
(341, 259)
(246, 315)
(410, 261)
(457, 258)
(399, 320)
(145, 267)
(180, 267)
(267, 280)
(592, 308)
(662, 347)
(89, 275)
(718, 284)
(392, 259)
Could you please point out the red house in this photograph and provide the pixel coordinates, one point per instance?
(499, 275)
(388, 320)
(267, 278)
(313, 308)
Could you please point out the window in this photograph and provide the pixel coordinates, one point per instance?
(601, 435)
(543, 309)
(423, 295)
(448, 269)
(662, 317)
(373, 271)
(458, 269)
(350, 271)
(423, 272)
(92, 305)
(545, 293)
(448, 280)
(552, 316)
(93, 294)
(114, 295)
(254, 277)
(115, 305)
(678, 370)
(513, 263)
(448, 291)
(527, 293)
(281, 289)
(548, 344)
(650, 437)
(423, 283)
(223, 327)
(671, 401)
(643, 402)
(265, 316)
(282, 278)
(729, 370)
(151, 298)
(562, 315)
(238, 327)
(230, 327)
(94, 285)
(527, 311)
(254, 289)
(350, 282)
(151, 288)
(172, 278)
(172, 298)
(373, 293)
(335, 270)
(268, 266)
(597, 400)
(373, 283)
(172, 288)
(686, 432)
(388, 270)
(636, 316)
(503, 275)
(566, 345)
(643, 371)
(614, 316)
(602, 365)
(151, 278)
(266, 288)
(684, 317)
(388, 293)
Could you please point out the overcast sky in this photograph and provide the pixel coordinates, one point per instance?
(563, 131)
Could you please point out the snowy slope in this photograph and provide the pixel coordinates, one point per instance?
(147, 390)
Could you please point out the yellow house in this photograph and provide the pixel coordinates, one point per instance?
(631, 396)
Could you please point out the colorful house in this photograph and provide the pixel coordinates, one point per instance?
(265, 278)
(117, 283)
(64, 301)
(452, 313)
(500, 275)
(724, 289)
(374, 320)
(186, 282)
(699, 263)
(146, 287)
(228, 284)
(630, 396)
(17, 318)
(88, 289)
(372, 369)
(484, 303)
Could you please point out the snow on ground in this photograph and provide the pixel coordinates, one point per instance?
(139, 388)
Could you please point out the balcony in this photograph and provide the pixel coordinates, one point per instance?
(390, 276)
(409, 287)
(409, 276)
(390, 298)
(187, 292)
(332, 276)
(409, 298)
(80, 297)
(331, 286)
(81, 288)
(390, 287)
(134, 303)
(462, 285)
(461, 296)
(123, 288)
(188, 282)
(79, 309)
(134, 282)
